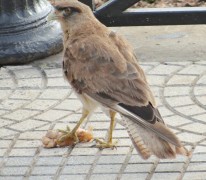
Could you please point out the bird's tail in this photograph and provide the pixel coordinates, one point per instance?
(146, 142)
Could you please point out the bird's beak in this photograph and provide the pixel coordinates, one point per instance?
(52, 16)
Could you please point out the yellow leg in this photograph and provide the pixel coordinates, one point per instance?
(72, 134)
(109, 144)
(111, 128)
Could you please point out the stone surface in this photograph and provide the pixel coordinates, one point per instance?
(40, 99)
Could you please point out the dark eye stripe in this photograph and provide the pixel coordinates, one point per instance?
(59, 8)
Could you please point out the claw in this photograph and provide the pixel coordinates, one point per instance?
(102, 144)
(61, 138)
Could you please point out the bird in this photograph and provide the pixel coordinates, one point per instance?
(102, 68)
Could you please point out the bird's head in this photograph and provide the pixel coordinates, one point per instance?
(70, 13)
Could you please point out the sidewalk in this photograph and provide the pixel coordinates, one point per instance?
(35, 98)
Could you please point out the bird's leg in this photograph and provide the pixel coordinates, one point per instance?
(109, 143)
(70, 135)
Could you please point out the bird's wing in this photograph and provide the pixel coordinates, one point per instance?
(102, 72)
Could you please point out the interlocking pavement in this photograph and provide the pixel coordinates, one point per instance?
(35, 98)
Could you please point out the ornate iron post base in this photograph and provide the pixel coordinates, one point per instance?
(25, 34)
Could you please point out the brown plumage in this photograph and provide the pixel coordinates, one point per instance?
(103, 70)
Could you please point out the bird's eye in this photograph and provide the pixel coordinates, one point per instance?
(67, 12)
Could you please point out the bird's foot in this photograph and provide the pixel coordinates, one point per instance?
(62, 138)
(67, 137)
(102, 144)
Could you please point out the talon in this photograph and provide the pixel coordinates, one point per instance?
(102, 144)
(60, 138)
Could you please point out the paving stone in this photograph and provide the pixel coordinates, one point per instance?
(138, 168)
(5, 122)
(61, 152)
(70, 105)
(193, 69)
(30, 83)
(194, 175)
(169, 167)
(176, 120)
(155, 80)
(84, 151)
(22, 152)
(2, 112)
(136, 159)
(199, 90)
(4, 93)
(146, 67)
(74, 176)
(6, 132)
(76, 169)
(179, 101)
(20, 115)
(36, 177)
(57, 72)
(134, 176)
(120, 134)
(200, 117)
(105, 169)
(190, 138)
(202, 80)
(200, 149)
(13, 104)
(81, 160)
(181, 80)
(44, 170)
(52, 115)
(26, 125)
(19, 161)
(112, 159)
(195, 127)
(198, 157)
(196, 167)
(202, 99)
(118, 151)
(6, 83)
(178, 160)
(54, 93)
(164, 69)
(4, 74)
(32, 135)
(124, 142)
(27, 73)
(48, 161)
(52, 82)
(165, 111)
(19, 67)
(14, 171)
(2, 152)
(190, 110)
(11, 177)
(5, 143)
(163, 176)
(41, 104)
(27, 144)
(176, 91)
(25, 94)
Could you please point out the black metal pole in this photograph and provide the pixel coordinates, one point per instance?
(25, 34)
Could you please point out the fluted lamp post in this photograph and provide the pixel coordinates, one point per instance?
(25, 34)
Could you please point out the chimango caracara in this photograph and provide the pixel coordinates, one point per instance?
(103, 70)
